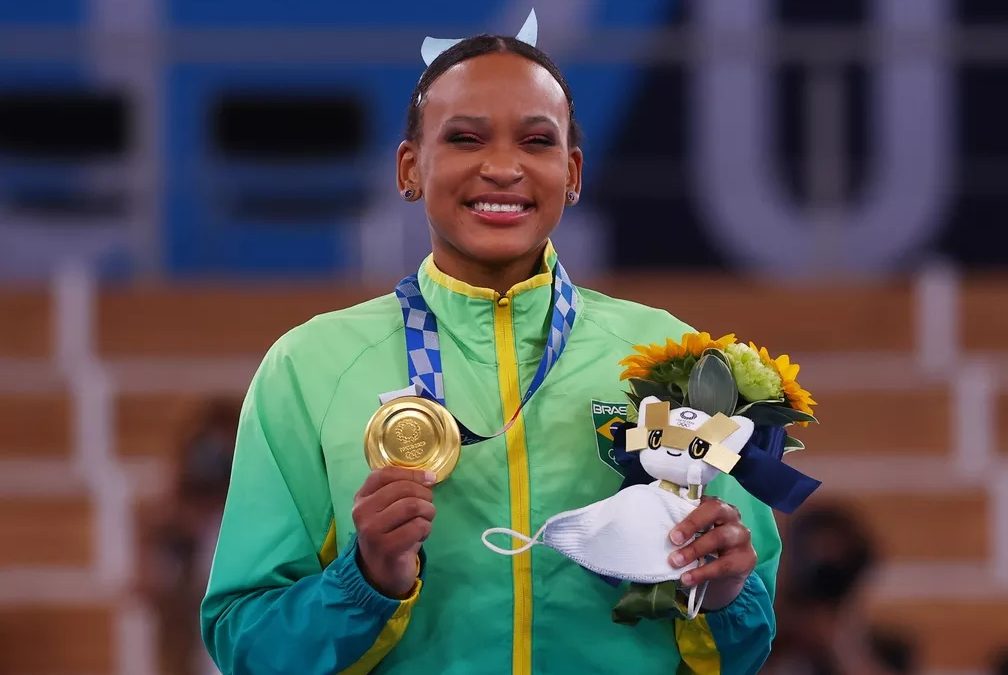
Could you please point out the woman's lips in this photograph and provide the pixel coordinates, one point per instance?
(501, 218)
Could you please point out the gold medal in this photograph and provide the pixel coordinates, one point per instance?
(414, 433)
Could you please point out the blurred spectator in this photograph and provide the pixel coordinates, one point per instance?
(822, 626)
(999, 666)
(179, 537)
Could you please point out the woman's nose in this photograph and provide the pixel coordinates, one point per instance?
(502, 169)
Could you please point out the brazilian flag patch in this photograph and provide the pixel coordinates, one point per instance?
(605, 415)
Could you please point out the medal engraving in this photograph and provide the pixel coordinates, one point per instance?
(407, 432)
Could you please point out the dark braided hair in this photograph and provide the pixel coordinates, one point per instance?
(478, 46)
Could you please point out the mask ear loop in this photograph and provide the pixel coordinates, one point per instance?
(529, 541)
(696, 596)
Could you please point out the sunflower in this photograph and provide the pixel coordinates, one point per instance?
(651, 362)
(797, 398)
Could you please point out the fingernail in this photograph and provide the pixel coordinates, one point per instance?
(687, 579)
(678, 558)
(677, 537)
(429, 477)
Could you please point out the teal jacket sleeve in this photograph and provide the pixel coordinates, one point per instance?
(743, 630)
(274, 603)
(331, 622)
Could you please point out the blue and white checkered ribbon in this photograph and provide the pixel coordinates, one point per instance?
(423, 348)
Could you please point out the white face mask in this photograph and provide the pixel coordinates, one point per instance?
(612, 538)
(627, 535)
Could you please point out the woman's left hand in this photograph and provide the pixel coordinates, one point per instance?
(728, 538)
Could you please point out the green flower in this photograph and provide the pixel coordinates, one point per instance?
(756, 381)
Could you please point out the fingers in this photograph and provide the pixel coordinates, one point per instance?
(390, 474)
(393, 511)
(721, 540)
(408, 536)
(722, 533)
(389, 494)
(736, 565)
(401, 512)
(711, 511)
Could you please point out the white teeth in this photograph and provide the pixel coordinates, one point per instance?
(497, 208)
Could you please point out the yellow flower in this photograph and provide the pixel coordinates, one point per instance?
(797, 398)
(648, 357)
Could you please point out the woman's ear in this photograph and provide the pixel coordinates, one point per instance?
(575, 162)
(407, 171)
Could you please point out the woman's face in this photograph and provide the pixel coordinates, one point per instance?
(492, 163)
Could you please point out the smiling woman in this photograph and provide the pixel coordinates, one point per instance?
(491, 145)
(328, 564)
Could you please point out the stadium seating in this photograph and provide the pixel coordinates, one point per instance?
(889, 446)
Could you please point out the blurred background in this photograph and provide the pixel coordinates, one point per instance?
(181, 181)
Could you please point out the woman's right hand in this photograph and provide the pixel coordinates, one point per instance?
(393, 512)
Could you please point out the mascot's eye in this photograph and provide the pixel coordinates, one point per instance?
(673, 454)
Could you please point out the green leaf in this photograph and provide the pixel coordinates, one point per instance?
(776, 415)
(717, 353)
(663, 391)
(649, 601)
(645, 388)
(768, 401)
(675, 395)
(791, 444)
(711, 387)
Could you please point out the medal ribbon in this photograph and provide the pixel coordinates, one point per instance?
(423, 348)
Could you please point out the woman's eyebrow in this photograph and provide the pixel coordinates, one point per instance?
(484, 121)
(536, 119)
(471, 119)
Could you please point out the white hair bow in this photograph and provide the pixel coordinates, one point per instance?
(432, 47)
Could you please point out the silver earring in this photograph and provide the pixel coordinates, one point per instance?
(571, 197)
(408, 194)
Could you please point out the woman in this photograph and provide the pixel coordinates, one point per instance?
(492, 149)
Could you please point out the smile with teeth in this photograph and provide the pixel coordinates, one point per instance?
(499, 208)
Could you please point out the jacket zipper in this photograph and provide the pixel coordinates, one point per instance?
(518, 478)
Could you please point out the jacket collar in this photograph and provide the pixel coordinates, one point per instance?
(543, 278)
(467, 314)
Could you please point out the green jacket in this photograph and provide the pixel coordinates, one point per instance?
(285, 592)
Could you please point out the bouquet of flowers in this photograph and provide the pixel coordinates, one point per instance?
(720, 376)
(715, 376)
